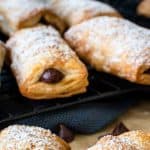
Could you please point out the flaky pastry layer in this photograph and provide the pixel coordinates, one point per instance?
(133, 140)
(77, 11)
(34, 50)
(113, 45)
(19, 14)
(21, 137)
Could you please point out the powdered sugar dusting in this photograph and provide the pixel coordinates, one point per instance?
(75, 11)
(112, 143)
(15, 9)
(18, 137)
(133, 140)
(113, 40)
(35, 46)
(42, 39)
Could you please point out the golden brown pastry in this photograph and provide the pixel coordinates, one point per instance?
(2, 54)
(77, 11)
(21, 137)
(19, 14)
(144, 8)
(133, 140)
(113, 45)
(45, 67)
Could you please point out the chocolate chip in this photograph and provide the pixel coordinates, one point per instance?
(119, 129)
(51, 76)
(65, 133)
(147, 71)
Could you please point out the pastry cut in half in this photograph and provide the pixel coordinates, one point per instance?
(113, 45)
(44, 66)
(21, 137)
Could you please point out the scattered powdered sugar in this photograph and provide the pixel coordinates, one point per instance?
(19, 137)
(15, 9)
(41, 40)
(35, 46)
(75, 11)
(111, 142)
(133, 140)
(113, 40)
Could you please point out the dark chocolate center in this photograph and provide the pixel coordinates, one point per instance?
(147, 71)
(51, 76)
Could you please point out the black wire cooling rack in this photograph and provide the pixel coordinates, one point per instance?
(13, 106)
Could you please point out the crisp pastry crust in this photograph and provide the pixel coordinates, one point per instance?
(113, 45)
(34, 50)
(144, 8)
(19, 14)
(133, 140)
(2, 54)
(21, 137)
(77, 11)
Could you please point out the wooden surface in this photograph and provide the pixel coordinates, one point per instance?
(138, 117)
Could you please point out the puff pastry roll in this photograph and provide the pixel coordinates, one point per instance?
(77, 11)
(114, 45)
(21, 137)
(144, 8)
(2, 54)
(19, 14)
(133, 140)
(44, 65)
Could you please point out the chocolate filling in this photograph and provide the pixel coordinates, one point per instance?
(147, 71)
(51, 76)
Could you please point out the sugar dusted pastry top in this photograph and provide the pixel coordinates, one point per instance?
(51, 48)
(130, 41)
(18, 10)
(20, 137)
(133, 140)
(76, 11)
(27, 5)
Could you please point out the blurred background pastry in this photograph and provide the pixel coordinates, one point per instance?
(144, 8)
(133, 140)
(21, 137)
(77, 11)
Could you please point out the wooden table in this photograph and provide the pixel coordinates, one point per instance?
(138, 117)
